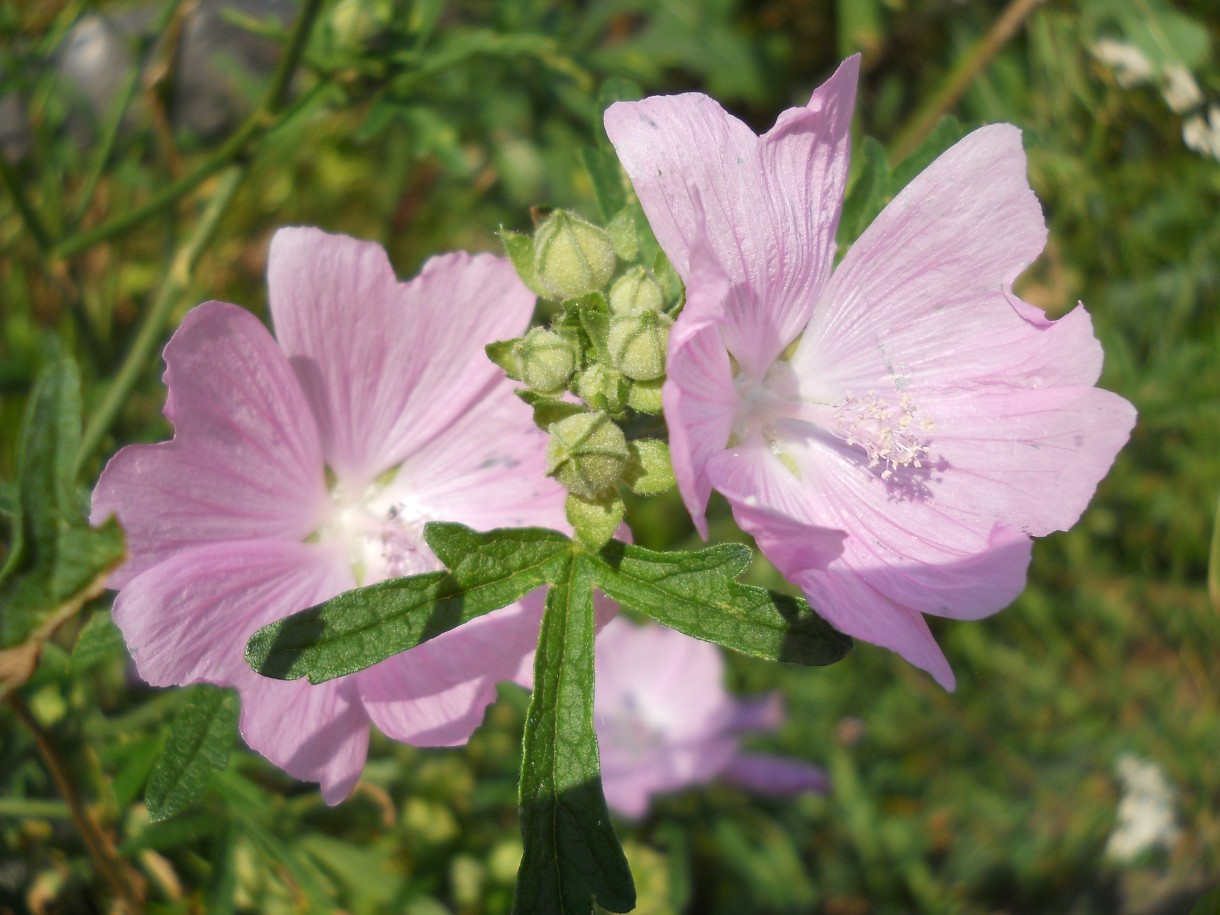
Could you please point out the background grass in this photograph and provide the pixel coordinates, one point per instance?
(432, 125)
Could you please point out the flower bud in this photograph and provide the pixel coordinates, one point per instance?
(572, 257)
(637, 344)
(587, 454)
(636, 291)
(602, 388)
(545, 360)
(645, 396)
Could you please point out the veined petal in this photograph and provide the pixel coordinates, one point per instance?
(245, 460)
(486, 469)
(436, 693)
(1031, 459)
(772, 203)
(699, 397)
(187, 620)
(925, 287)
(385, 364)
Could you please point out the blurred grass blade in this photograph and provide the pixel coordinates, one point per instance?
(1213, 563)
(55, 560)
(362, 627)
(572, 855)
(198, 744)
(698, 594)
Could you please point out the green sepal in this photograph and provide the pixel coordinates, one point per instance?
(505, 354)
(547, 409)
(623, 234)
(520, 250)
(650, 471)
(595, 520)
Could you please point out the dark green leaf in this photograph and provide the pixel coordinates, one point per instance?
(868, 194)
(572, 856)
(594, 315)
(697, 593)
(948, 130)
(520, 250)
(198, 744)
(99, 639)
(362, 627)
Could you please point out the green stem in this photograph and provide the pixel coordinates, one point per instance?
(175, 284)
(955, 84)
(33, 222)
(257, 124)
(22, 808)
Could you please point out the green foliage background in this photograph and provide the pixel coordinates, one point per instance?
(427, 126)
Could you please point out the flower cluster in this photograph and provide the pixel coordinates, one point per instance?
(307, 464)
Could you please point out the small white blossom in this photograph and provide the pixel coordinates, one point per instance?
(1130, 66)
(1146, 817)
(1181, 92)
(1203, 136)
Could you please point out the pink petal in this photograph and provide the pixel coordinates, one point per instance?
(486, 469)
(1031, 459)
(387, 365)
(245, 461)
(923, 292)
(699, 397)
(772, 203)
(187, 620)
(775, 774)
(436, 694)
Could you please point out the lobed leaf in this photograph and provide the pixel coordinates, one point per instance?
(698, 594)
(364, 626)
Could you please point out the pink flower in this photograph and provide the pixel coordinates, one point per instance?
(304, 467)
(893, 430)
(664, 721)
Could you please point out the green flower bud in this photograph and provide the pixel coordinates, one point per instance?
(602, 388)
(587, 454)
(636, 291)
(572, 257)
(637, 344)
(645, 396)
(545, 360)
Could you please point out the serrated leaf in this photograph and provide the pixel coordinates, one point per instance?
(362, 627)
(698, 594)
(56, 561)
(572, 856)
(198, 744)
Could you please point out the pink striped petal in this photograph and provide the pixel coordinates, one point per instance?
(387, 365)
(245, 461)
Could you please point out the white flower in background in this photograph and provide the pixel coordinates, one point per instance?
(1203, 136)
(1146, 816)
(1130, 66)
(1181, 92)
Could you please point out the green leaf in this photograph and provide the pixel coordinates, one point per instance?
(607, 177)
(594, 316)
(572, 856)
(198, 744)
(697, 593)
(948, 130)
(55, 561)
(98, 640)
(868, 195)
(362, 627)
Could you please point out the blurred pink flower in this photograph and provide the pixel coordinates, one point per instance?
(665, 722)
(304, 467)
(891, 431)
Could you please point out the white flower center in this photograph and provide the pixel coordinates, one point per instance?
(887, 427)
(383, 534)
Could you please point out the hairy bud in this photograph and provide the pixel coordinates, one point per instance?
(637, 344)
(572, 257)
(635, 292)
(587, 454)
